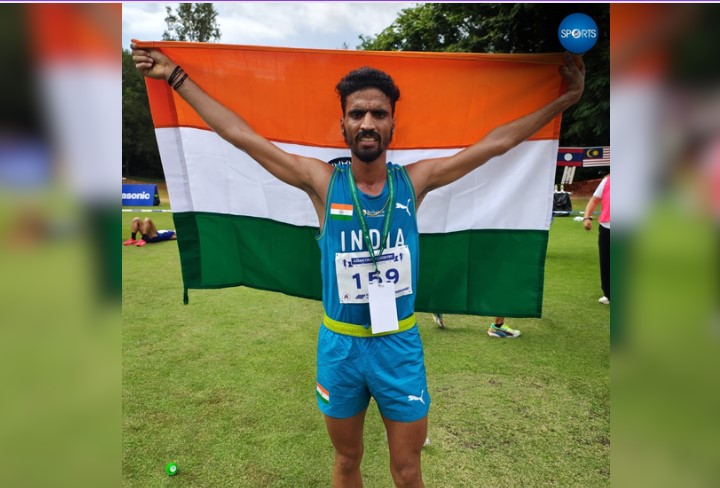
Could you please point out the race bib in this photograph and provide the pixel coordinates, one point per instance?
(355, 270)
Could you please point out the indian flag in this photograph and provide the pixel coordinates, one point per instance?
(341, 211)
(322, 394)
(483, 238)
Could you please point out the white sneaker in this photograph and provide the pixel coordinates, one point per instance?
(604, 300)
(438, 318)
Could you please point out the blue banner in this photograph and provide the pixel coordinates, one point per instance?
(140, 195)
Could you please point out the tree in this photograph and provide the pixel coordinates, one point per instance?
(511, 28)
(196, 22)
(139, 146)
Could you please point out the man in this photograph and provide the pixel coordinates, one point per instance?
(149, 233)
(359, 357)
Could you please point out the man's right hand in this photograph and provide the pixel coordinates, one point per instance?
(151, 62)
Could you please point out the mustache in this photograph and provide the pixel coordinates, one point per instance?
(367, 133)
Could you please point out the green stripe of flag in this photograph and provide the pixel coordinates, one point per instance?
(482, 272)
(219, 250)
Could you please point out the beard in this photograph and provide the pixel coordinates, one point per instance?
(367, 155)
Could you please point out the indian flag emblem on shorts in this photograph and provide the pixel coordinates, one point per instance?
(322, 394)
(341, 211)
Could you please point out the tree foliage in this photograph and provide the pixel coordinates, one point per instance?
(511, 28)
(195, 22)
(139, 146)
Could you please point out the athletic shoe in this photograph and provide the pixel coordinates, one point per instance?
(140, 243)
(437, 317)
(129, 242)
(503, 331)
(604, 300)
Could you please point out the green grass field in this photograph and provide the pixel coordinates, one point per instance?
(224, 386)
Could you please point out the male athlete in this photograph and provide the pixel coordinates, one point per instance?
(148, 233)
(368, 201)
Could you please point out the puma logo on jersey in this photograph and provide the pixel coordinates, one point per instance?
(413, 398)
(404, 207)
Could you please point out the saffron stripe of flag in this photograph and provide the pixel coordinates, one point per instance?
(483, 238)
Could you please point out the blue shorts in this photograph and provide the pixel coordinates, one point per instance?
(162, 235)
(389, 368)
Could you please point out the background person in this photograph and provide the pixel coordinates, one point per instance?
(149, 233)
(601, 195)
(498, 328)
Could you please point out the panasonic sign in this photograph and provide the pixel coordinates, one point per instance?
(136, 196)
(140, 195)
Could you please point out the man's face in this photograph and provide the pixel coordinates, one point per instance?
(367, 124)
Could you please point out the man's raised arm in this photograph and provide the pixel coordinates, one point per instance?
(430, 174)
(308, 174)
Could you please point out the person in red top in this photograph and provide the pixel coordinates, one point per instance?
(601, 195)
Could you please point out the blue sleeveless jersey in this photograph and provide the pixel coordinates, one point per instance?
(341, 236)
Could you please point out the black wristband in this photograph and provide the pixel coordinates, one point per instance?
(588, 218)
(180, 82)
(174, 75)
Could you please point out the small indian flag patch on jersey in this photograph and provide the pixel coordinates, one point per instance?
(341, 211)
(322, 394)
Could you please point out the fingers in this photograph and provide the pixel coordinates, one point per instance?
(142, 60)
(150, 62)
(142, 56)
(580, 64)
(138, 52)
(573, 73)
(139, 55)
(574, 60)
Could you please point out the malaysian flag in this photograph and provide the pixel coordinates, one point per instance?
(596, 156)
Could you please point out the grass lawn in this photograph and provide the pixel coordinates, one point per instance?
(225, 386)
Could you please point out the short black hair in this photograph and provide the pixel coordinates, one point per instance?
(367, 77)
